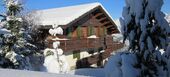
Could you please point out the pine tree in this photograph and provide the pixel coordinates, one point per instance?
(16, 47)
(143, 24)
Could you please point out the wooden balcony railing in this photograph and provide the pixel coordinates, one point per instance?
(98, 58)
(95, 58)
(74, 44)
(79, 44)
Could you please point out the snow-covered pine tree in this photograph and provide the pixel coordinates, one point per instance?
(15, 47)
(143, 24)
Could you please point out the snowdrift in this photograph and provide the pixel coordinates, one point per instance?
(24, 73)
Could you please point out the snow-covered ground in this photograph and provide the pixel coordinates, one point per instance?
(89, 72)
(24, 73)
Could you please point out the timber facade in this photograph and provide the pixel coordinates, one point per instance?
(76, 43)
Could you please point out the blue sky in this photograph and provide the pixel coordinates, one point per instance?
(114, 7)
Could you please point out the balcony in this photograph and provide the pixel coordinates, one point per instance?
(78, 44)
(74, 44)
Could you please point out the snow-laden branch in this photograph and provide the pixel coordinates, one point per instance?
(1, 15)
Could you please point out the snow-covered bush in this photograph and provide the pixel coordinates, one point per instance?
(50, 63)
(147, 31)
(122, 65)
(56, 30)
(55, 61)
(144, 25)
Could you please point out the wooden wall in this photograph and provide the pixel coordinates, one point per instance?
(82, 28)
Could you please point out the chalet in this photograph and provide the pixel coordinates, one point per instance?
(87, 33)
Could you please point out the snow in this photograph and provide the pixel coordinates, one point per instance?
(168, 18)
(24, 73)
(2, 24)
(126, 16)
(142, 46)
(51, 64)
(128, 62)
(64, 66)
(55, 61)
(143, 23)
(112, 68)
(19, 19)
(122, 29)
(56, 30)
(59, 51)
(132, 35)
(9, 3)
(145, 27)
(162, 51)
(12, 57)
(56, 44)
(154, 5)
(161, 21)
(125, 12)
(92, 72)
(8, 18)
(162, 43)
(92, 36)
(121, 65)
(117, 22)
(4, 31)
(65, 15)
(167, 54)
(56, 38)
(117, 37)
(135, 8)
(150, 45)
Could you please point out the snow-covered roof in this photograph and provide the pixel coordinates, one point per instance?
(168, 18)
(117, 22)
(65, 15)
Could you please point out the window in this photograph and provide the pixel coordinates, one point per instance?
(79, 32)
(105, 31)
(90, 30)
(68, 32)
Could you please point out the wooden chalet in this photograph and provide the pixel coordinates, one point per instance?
(87, 30)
